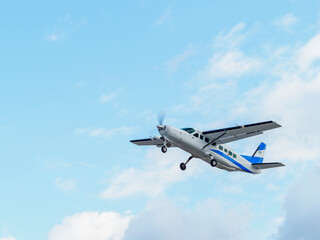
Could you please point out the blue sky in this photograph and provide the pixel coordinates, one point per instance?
(78, 81)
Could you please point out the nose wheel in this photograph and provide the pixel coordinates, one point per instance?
(164, 149)
(183, 166)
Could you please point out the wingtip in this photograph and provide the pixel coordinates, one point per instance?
(278, 125)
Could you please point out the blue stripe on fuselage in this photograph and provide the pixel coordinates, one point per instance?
(231, 160)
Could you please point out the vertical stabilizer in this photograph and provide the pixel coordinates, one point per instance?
(258, 155)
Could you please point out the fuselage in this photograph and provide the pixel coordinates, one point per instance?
(194, 142)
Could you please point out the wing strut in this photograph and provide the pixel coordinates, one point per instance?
(215, 139)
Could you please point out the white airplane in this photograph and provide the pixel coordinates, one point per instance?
(210, 145)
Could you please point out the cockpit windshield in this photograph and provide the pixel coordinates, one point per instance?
(188, 130)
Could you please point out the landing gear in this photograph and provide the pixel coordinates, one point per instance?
(213, 162)
(183, 166)
(164, 149)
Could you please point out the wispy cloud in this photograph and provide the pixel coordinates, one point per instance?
(53, 37)
(286, 21)
(164, 17)
(148, 180)
(174, 63)
(232, 38)
(65, 184)
(85, 164)
(79, 84)
(8, 238)
(232, 64)
(105, 98)
(104, 132)
(64, 27)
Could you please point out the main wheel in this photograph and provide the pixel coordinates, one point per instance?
(213, 162)
(164, 149)
(183, 166)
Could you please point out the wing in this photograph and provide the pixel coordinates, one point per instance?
(267, 165)
(231, 134)
(148, 141)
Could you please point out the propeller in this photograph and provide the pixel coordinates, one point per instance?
(161, 117)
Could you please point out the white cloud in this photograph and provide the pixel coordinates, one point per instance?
(65, 184)
(309, 53)
(152, 179)
(174, 63)
(164, 17)
(8, 238)
(53, 37)
(79, 84)
(105, 98)
(91, 226)
(286, 20)
(219, 79)
(292, 100)
(211, 219)
(232, 64)
(104, 132)
(231, 39)
(64, 27)
(302, 208)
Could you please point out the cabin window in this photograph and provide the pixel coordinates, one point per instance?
(234, 156)
(196, 134)
(188, 130)
(207, 140)
(225, 150)
(230, 153)
(220, 147)
(201, 137)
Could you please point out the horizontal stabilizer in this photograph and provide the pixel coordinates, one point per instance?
(148, 141)
(267, 165)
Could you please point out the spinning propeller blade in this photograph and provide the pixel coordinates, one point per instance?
(161, 117)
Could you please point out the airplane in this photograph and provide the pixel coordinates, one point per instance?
(210, 145)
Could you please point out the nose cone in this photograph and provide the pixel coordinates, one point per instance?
(160, 127)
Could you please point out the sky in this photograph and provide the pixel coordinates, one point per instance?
(79, 80)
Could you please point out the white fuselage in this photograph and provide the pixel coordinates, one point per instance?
(226, 158)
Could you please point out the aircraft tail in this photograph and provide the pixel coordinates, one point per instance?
(257, 159)
(258, 155)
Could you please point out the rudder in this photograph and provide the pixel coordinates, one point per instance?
(258, 155)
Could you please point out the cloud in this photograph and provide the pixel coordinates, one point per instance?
(164, 17)
(65, 184)
(291, 99)
(309, 53)
(286, 21)
(104, 132)
(152, 179)
(8, 238)
(211, 219)
(218, 80)
(232, 38)
(65, 26)
(53, 37)
(91, 225)
(79, 84)
(232, 64)
(105, 98)
(174, 63)
(302, 208)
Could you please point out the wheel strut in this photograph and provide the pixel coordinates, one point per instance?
(183, 166)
